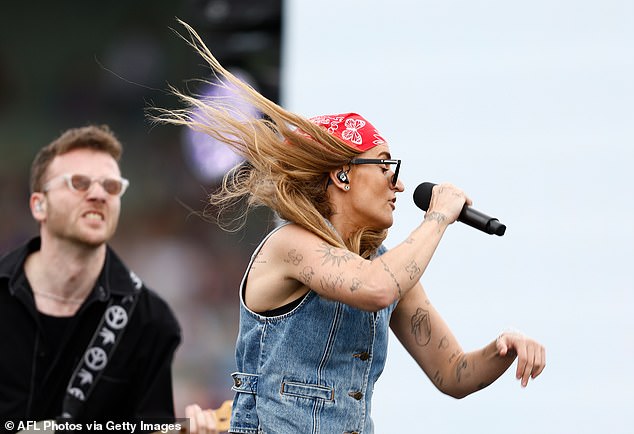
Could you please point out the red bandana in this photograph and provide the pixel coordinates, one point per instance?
(352, 129)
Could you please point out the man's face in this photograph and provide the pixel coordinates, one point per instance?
(87, 217)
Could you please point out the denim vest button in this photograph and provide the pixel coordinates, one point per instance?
(237, 382)
(356, 395)
(362, 356)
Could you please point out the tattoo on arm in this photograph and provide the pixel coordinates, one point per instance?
(437, 379)
(421, 327)
(306, 275)
(413, 270)
(444, 343)
(356, 284)
(386, 268)
(461, 367)
(331, 283)
(435, 216)
(294, 257)
(334, 255)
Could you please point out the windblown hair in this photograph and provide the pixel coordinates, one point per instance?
(96, 137)
(288, 156)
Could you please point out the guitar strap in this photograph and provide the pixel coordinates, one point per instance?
(99, 351)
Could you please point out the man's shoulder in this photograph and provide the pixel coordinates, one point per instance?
(10, 259)
(8, 262)
(154, 311)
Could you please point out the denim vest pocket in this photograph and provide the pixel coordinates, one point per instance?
(307, 390)
(246, 388)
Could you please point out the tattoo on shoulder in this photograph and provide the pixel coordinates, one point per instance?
(334, 255)
(258, 260)
(294, 257)
(421, 327)
(387, 268)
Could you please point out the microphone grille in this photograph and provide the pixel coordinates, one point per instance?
(422, 195)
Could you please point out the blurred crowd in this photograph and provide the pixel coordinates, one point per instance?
(64, 66)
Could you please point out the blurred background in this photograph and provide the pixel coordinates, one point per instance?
(527, 106)
(69, 64)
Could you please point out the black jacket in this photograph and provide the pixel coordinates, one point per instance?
(36, 364)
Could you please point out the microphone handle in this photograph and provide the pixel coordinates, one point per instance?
(481, 221)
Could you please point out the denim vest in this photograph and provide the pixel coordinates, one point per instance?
(311, 370)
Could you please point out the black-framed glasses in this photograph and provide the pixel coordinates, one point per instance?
(82, 183)
(380, 161)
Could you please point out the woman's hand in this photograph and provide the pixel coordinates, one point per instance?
(447, 201)
(531, 355)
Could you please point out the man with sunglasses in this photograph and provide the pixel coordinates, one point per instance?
(83, 339)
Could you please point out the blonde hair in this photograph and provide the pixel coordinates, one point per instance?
(288, 156)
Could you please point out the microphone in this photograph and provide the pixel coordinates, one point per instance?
(468, 215)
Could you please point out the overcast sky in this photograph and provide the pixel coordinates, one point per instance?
(529, 107)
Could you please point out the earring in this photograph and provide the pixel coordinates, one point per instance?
(346, 187)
